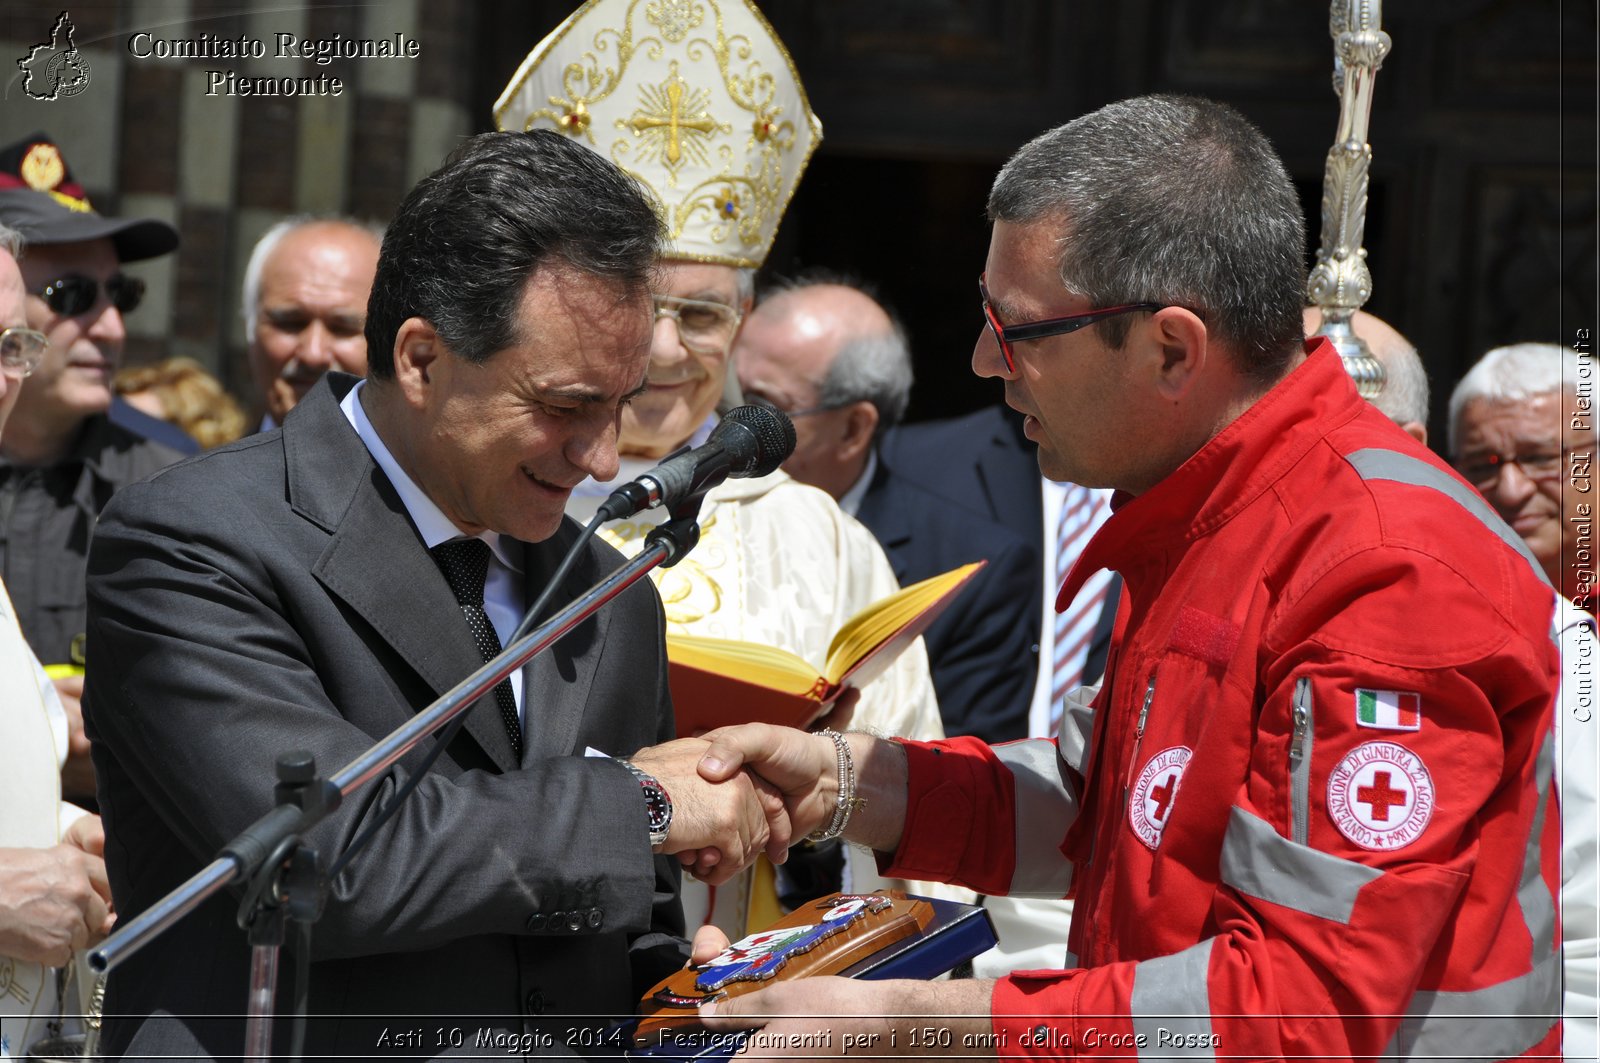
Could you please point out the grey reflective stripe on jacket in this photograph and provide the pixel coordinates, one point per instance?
(1046, 806)
(1533, 896)
(1376, 464)
(1501, 1021)
(1510, 1017)
(1077, 724)
(1170, 1004)
(1261, 863)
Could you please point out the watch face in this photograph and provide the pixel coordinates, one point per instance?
(657, 805)
(655, 799)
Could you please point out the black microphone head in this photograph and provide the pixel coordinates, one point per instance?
(758, 437)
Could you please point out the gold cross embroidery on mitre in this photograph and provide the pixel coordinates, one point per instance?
(669, 111)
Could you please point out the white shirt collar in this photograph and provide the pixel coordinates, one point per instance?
(430, 521)
(850, 501)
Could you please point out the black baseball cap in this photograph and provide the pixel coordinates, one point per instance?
(40, 199)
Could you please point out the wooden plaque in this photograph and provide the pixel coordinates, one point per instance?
(820, 937)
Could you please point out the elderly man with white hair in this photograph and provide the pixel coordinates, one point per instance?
(305, 306)
(1522, 430)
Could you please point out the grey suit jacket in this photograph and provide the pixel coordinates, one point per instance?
(274, 595)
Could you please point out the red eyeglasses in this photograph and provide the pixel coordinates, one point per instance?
(1055, 326)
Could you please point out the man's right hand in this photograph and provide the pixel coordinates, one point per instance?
(88, 834)
(77, 774)
(804, 767)
(719, 828)
(53, 902)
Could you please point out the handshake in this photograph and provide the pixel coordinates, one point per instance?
(739, 791)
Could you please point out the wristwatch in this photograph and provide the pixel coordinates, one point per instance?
(657, 804)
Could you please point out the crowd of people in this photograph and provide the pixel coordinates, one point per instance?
(1264, 732)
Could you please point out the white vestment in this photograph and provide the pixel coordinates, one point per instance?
(33, 746)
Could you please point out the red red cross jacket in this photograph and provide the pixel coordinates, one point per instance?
(1308, 814)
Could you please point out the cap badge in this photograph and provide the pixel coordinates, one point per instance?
(42, 167)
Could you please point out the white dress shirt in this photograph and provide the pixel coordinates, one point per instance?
(850, 501)
(1055, 494)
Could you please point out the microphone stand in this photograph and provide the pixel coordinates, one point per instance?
(285, 879)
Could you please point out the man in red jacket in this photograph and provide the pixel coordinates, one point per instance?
(1308, 811)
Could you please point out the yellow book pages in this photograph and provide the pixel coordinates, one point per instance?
(716, 682)
(767, 666)
(875, 625)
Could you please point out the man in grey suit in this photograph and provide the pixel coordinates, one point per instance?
(314, 586)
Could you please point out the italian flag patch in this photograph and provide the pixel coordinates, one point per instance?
(1389, 710)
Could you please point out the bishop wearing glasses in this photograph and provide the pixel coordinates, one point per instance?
(66, 451)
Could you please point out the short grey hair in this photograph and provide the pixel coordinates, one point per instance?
(250, 299)
(1517, 373)
(874, 368)
(10, 240)
(1174, 200)
(747, 284)
(1404, 397)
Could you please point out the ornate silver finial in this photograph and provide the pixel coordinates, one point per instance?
(1340, 283)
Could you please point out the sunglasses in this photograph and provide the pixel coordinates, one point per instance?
(75, 294)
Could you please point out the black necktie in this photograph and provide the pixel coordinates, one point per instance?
(465, 564)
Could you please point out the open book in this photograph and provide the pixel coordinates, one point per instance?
(716, 682)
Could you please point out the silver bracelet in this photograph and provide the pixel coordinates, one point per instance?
(847, 801)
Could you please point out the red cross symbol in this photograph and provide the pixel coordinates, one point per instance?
(1162, 796)
(1380, 796)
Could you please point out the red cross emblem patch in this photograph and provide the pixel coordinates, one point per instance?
(1150, 802)
(1381, 796)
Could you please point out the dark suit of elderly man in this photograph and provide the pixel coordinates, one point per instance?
(826, 352)
(314, 587)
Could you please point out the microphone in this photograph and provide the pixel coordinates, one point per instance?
(749, 441)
